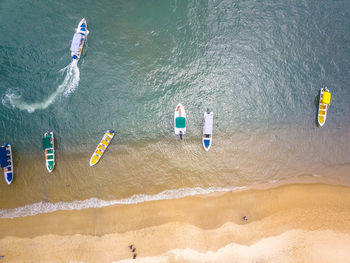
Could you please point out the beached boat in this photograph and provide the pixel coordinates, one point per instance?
(325, 100)
(6, 162)
(49, 150)
(101, 147)
(180, 120)
(207, 129)
(79, 39)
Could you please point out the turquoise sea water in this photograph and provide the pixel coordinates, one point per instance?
(258, 65)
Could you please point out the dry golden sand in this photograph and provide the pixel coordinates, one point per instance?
(289, 223)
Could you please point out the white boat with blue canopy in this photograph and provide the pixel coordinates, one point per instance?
(6, 162)
(79, 39)
(208, 122)
(180, 120)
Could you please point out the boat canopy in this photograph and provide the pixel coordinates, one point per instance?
(208, 124)
(3, 157)
(180, 122)
(47, 143)
(326, 97)
(76, 42)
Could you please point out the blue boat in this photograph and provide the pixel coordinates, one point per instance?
(79, 39)
(6, 162)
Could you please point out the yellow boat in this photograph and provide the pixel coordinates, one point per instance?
(325, 101)
(101, 147)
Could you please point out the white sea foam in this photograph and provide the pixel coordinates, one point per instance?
(308, 246)
(45, 207)
(262, 251)
(69, 84)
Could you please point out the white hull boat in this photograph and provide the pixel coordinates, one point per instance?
(208, 122)
(79, 40)
(180, 120)
(49, 150)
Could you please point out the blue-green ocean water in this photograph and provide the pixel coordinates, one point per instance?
(258, 65)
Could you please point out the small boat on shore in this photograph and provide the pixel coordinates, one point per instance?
(79, 39)
(49, 150)
(6, 162)
(325, 100)
(207, 129)
(180, 120)
(101, 147)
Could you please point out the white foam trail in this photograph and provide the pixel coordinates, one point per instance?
(45, 207)
(69, 84)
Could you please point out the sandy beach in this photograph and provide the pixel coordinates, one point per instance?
(286, 223)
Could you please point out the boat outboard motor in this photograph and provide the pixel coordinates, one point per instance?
(208, 111)
(180, 135)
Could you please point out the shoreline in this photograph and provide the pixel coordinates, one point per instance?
(44, 207)
(201, 223)
(149, 168)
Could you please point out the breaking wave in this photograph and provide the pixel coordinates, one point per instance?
(46, 207)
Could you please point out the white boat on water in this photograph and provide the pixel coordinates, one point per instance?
(208, 122)
(6, 162)
(101, 147)
(180, 120)
(49, 150)
(79, 39)
(325, 101)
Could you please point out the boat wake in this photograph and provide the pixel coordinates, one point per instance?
(69, 84)
(46, 207)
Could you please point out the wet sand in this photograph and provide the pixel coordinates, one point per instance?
(308, 222)
(151, 167)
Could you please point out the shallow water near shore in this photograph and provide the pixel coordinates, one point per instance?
(257, 66)
(171, 169)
